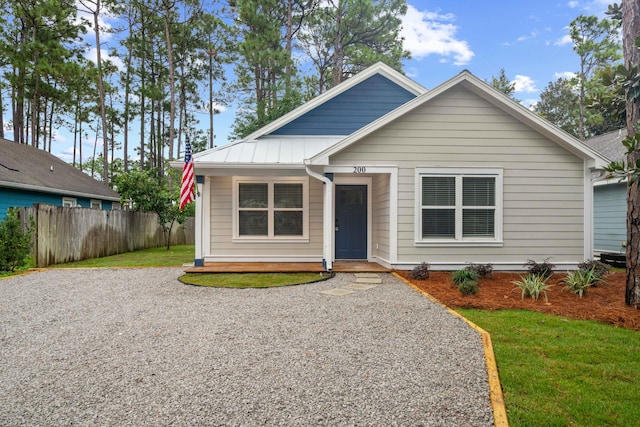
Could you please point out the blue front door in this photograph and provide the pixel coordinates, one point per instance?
(351, 222)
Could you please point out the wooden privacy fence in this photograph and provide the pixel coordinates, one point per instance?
(73, 234)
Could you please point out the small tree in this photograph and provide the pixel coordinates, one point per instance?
(150, 194)
(15, 244)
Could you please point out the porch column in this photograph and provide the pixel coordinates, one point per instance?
(199, 255)
(328, 227)
(327, 217)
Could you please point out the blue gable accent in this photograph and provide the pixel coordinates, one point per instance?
(351, 110)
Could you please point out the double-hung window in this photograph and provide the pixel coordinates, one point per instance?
(458, 206)
(271, 208)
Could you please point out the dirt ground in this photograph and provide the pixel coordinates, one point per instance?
(604, 302)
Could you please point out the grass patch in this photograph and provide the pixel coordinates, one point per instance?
(561, 372)
(250, 280)
(154, 257)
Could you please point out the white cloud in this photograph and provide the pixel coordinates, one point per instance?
(428, 33)
(573, 4)
(524, 84)
(563, 41)
(567, 75)
(92, 55)
(529, 103)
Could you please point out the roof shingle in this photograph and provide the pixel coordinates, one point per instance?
(24, 166)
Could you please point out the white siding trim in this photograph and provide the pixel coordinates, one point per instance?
(393, 200)
(205, 196)
(588, 213)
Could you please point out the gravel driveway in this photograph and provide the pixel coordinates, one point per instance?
(120, 347)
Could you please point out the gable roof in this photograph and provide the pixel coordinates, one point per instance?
(490, 94)
(379, 68)
(609, 144)
(27, 168)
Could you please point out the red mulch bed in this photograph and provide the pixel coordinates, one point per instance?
(604, 302)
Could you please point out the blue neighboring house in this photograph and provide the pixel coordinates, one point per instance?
(29, 175)
(610, 197)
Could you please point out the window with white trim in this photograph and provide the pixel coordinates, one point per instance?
(69, 202)
(271, 208)
(459, 205)
(96, 204)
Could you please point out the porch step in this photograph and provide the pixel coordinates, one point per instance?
(364, 282)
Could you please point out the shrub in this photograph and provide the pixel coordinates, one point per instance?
(543, 269)
(578, 281)
(481, 270)
(15, 244)
(465, 275)
(421, 272)
(600, 269)
(468, 287)
(532, 285)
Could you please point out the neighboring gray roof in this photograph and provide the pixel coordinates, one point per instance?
(25, 167)
(609, 144)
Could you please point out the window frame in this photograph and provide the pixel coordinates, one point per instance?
(69, 202)
(271, 209)
(95, 204)
(459, 174)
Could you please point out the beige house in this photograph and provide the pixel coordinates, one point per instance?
(381, 169)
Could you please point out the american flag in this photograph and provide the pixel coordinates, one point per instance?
(186, 189)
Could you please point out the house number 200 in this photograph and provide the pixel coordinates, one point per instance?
(359, 169)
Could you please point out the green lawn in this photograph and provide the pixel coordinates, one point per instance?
(562, 372)
(250, 280)
(154, 257)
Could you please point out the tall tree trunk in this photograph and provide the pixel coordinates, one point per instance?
(101, 94)
(1, 116)
(338, 48)
(631, 30)
(172, 86)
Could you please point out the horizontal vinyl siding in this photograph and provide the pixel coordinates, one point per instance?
(610, 216)
(543, 183)
(350, 110)
(222, 244)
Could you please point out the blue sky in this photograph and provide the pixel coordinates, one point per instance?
(529, 39)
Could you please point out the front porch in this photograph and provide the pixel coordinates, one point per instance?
(286, 267)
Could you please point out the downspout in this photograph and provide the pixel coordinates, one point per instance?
(327, 229)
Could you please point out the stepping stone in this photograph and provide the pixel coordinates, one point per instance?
(376, 280)
(339, 292)
(359, 287)
(366, 275)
